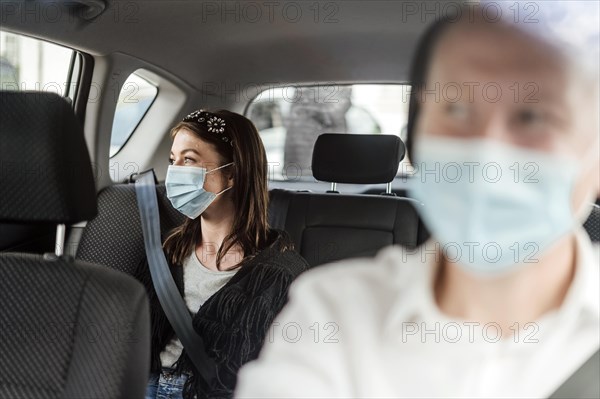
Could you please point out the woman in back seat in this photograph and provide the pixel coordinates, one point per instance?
(231, 268)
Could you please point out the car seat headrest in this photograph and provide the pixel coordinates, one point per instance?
(357, 158)
(45, 170)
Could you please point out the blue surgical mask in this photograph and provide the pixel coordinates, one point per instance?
(491, 205)
(185, 189)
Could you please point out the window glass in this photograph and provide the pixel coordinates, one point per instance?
(135, 98)
(290, 119)
(32, 64)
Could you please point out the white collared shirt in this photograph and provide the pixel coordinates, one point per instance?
(371, 328)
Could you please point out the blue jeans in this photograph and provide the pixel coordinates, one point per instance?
(165, 385)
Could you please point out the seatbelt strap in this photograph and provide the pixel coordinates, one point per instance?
(170, 299)
(584, 383)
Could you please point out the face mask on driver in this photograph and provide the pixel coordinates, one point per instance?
(492, 206)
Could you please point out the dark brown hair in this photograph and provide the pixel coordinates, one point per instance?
(249, 192)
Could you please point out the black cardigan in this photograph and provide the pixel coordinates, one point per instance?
(235, 320)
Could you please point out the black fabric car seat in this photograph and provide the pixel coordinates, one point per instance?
(332, 226)
(69, 329)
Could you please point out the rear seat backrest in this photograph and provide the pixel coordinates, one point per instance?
(332, 226)
(114, 238)
(592, 224)
(329, 227)
(324, 227)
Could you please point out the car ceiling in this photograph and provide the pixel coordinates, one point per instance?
(364, 41)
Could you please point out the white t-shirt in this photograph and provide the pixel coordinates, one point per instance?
(371, 328)
(200, 283)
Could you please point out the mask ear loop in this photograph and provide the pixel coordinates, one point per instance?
(222, 191)
(221, 167)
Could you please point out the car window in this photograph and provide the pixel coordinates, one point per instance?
(290, 119)
(135, 98)
(34, 65)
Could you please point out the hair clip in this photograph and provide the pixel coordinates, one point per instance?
(196, 116)
(214, 124)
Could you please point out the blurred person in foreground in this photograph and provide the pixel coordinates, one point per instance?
(503, 300)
